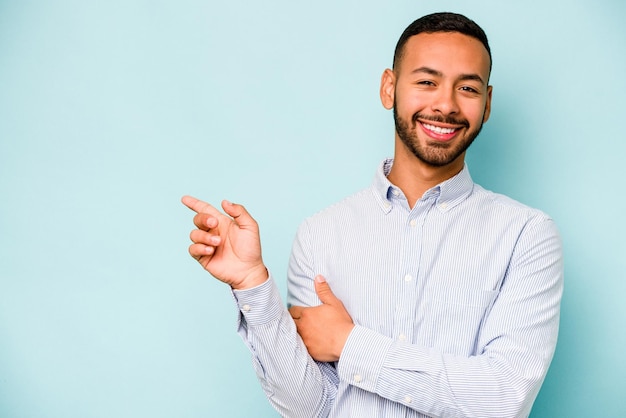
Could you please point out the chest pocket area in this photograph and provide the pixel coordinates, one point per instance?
(450, 319)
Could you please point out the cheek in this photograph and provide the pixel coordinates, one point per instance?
(475, 113)
(407, 104)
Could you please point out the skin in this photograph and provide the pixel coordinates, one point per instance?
(441, 81)
(227, 245)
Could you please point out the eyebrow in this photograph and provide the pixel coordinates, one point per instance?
(436, 73)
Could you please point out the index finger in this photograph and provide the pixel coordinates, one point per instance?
(198, 205)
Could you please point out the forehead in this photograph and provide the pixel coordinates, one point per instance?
(447, 52)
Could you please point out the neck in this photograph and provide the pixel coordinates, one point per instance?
(414, 177)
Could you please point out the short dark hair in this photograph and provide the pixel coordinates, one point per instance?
(441, 22)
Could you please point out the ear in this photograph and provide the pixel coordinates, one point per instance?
(488, 104)
(387, 88)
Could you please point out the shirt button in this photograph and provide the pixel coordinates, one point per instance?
(357, 378)
(245, 308)
(402, 337)
(408, 278)
(443, 205)
(395, 192)
(407, 399)
(413, 222)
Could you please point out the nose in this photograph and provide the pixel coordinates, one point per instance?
(445, 102)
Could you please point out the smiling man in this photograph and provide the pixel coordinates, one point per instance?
(423, 295)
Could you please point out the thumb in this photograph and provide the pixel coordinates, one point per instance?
(323, 291)
(239, 214)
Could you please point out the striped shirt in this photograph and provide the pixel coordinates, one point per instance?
(455, 301)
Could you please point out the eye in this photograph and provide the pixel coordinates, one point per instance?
(469, 89)
(425, 83)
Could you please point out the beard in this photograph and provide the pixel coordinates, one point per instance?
(435, 154)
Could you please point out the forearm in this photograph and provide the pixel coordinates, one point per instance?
(293, 382)
(435, 383)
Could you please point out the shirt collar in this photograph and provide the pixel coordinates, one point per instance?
(448, 193)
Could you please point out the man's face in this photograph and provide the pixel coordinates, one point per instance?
(440, 96)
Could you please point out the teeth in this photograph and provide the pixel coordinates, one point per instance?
(439, 130)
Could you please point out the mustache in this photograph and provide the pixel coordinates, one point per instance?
(439, 118)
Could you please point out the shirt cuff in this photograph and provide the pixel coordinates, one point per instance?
(362, 358)
(261, 304)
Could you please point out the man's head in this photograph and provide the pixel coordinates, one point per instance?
(438, 88)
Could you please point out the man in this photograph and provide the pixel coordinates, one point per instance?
(423, 295)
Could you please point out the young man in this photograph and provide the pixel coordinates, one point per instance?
(422, 296)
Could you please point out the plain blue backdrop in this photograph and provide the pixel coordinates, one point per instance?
(110, 111)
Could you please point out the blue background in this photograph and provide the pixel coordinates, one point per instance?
(112, 110)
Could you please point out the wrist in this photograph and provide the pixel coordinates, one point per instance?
(341, 342)
(255, 277)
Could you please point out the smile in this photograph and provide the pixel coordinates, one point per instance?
(438, 130)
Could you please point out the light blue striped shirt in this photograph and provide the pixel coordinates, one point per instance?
(456, 305)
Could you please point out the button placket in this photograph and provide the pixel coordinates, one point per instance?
(412, 236)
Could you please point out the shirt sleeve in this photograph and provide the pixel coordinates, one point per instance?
(294, 383)
(515, 345)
